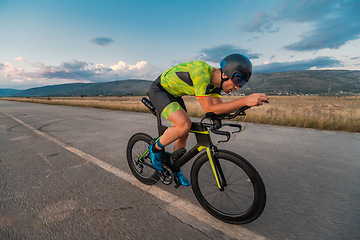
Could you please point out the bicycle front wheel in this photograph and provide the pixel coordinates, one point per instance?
(139, 161)
(243, 198)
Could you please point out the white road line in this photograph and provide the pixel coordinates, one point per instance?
(174, 201)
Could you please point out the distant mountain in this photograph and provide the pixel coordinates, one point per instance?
(121, 87)
(310, 81)
(7, 92)
(53, 90)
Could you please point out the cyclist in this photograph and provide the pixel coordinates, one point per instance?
(198, 79)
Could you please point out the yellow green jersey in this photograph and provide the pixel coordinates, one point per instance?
(189, 78)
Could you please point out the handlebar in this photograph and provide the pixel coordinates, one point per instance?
(225, 133)
(214, 117)
(216, 121)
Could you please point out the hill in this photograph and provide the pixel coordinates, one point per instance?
(7, 92)
(309, 81)
(122, 87)
(306, 82)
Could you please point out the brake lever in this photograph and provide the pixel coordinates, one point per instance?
(228, 138)
(234, 125)
(227, 134)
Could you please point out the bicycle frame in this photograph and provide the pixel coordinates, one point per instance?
(203, 142)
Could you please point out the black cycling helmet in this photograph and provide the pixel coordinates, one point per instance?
(235, 64)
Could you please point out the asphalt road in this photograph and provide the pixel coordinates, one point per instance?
(64, 175)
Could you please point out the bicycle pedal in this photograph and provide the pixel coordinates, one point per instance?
(166, 176)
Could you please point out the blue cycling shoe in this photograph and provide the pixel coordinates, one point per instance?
(155, 158)
(179, 175)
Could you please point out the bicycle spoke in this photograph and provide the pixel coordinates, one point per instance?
(236, 205)
(217, 194)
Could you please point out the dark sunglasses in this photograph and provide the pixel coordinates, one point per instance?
(239, 80)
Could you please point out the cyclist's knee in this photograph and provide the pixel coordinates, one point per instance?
(181, 121)
(185, 134)
(183, 129)
(187, 125)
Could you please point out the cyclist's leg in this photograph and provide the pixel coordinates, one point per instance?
(174, 110)
(179, 130)
(167, 105)
(160, 99)
(181, 142)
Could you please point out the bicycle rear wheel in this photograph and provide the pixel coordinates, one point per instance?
(142, 170)
(243, 198)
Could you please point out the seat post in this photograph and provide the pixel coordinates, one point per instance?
(161, 128)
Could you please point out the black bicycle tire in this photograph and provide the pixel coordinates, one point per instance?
(130, 158)
(259, 198)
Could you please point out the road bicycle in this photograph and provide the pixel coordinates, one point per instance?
(225, 184)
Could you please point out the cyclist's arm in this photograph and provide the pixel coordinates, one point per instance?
(217, 100)
(210, 104)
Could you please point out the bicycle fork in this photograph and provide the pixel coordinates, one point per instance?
(216, 168)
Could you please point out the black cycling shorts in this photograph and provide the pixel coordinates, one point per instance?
(164, 102)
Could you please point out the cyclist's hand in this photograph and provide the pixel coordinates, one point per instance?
(256, 99)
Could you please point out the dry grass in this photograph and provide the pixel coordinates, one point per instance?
(113, 103)
(325, 113)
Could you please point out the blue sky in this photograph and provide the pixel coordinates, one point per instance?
(53, 42)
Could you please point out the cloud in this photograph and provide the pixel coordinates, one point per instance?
(66, 70)
(216, 54)
(77, 71)
(262, 23)
(9, 71)
(75, 64)
(102, 41)
(140, 70)
(20, 59)
(334, 22)
(319, 62)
